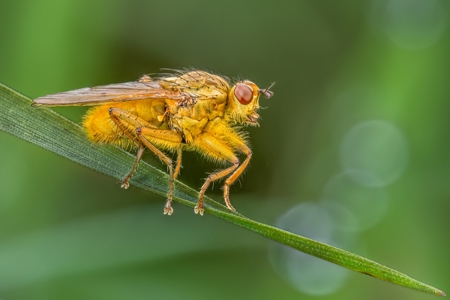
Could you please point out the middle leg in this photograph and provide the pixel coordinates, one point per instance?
(165, 137)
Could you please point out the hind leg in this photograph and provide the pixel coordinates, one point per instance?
(143, 133)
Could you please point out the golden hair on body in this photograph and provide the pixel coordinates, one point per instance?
(189, 110)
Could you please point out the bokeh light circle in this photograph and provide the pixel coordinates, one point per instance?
(374, 153)
(306, 273)
(410, 24)
(354, 206)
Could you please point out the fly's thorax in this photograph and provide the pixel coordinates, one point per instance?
(243, 103)
(190, 128)
(194, 80)
(206, 108)
(191, 120)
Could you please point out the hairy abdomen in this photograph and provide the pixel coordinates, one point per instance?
(100, 128)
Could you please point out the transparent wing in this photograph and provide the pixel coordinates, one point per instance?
(120, 92)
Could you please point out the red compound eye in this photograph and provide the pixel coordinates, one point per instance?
(243, 93)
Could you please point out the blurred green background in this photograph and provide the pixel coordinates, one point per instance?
(353, 150)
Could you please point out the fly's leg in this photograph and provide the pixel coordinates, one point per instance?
(143, 134)
(178, 166)
(116, 115)
(226, 188)
(218, 150)
(125, 182)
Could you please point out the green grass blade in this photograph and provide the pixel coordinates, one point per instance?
(47, 129)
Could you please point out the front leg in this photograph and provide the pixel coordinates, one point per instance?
(234, 176)
(218, 150)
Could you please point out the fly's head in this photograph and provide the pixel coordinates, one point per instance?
(243, 101)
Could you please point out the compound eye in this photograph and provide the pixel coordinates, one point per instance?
(243, 93)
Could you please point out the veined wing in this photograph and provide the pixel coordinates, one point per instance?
(120, 92)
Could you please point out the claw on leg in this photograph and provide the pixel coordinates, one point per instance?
(125, 184)
(168, 210)
(198, 209)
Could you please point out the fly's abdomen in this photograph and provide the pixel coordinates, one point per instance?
(100, 128)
